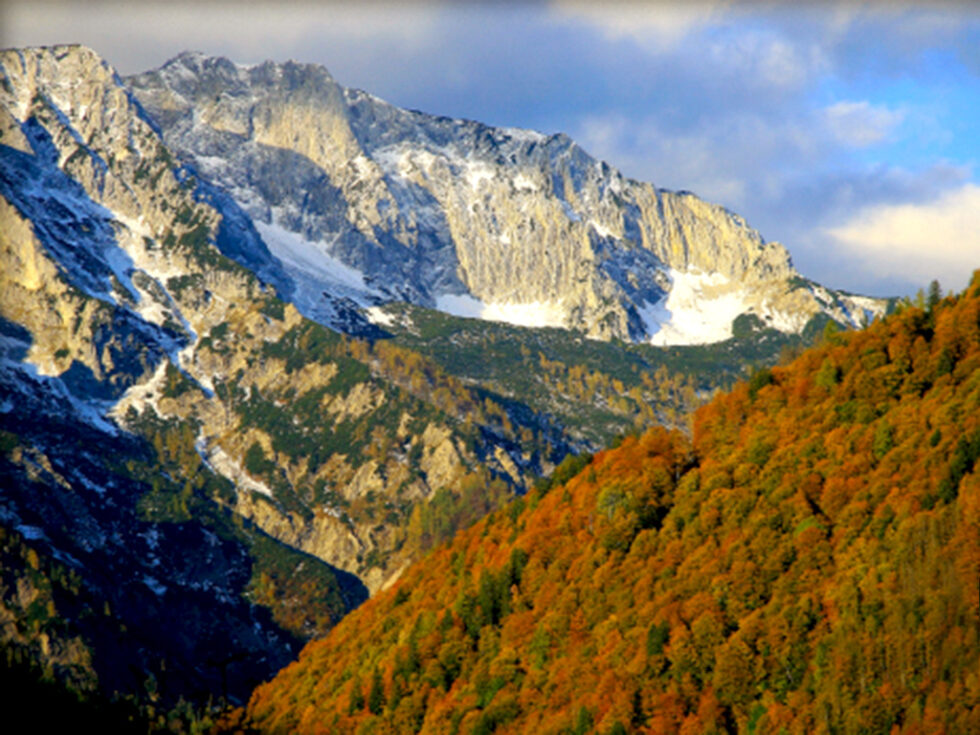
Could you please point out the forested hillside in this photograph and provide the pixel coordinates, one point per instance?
(808, 562)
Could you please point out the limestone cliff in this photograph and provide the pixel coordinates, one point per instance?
(500, 223)
(119, 297)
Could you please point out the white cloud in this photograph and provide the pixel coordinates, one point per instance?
(860, 124)
(730, 159)
(919, 241)
(705, 32)
(642, 149)
(660, 24)
(768, 59)
(138, 36)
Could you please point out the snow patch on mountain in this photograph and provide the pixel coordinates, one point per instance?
(31, 533)
(476, 172)
(377, 315)
(320, 278)
(312, 260)
(222, 463)
(699, 309)
(121, 265)
(155, 586)
(527, 314)
(784, 321)
(862, 309)
(524, 135)
(144, 395)
(523, 182)
(601, 230)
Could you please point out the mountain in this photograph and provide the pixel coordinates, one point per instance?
(365, 203)
(807, 562)
(179, 442)
(122, 529)
(225, 401)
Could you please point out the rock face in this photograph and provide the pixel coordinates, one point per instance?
(501, 223)
(112, 266)
(181, 439)
(96, 223)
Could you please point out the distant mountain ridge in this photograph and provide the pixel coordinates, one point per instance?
(496, 223)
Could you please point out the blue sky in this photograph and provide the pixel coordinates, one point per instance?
(846, 131)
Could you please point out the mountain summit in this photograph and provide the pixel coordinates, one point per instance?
(358, 199)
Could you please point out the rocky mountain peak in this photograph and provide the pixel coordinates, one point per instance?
(497, 223)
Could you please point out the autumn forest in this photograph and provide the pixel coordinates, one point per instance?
(807, 562)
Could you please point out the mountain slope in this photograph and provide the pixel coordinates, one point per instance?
(146, 290)
(159, 403)
(503, 224)
(596, 390)
(807, 563)
(139, 523)
(120, 278)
